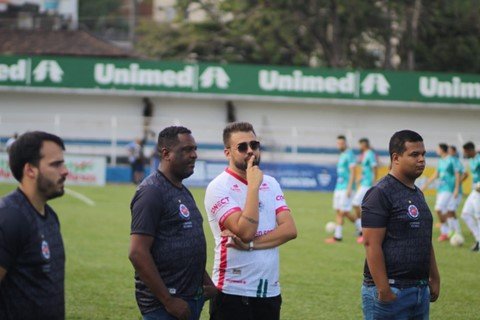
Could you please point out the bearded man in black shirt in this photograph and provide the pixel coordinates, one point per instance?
(32, 257)
(401, 277)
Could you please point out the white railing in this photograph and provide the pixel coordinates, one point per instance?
(116, 129)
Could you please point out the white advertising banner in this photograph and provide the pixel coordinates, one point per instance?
(82, 170)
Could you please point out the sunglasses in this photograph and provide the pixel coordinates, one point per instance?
(243, 147)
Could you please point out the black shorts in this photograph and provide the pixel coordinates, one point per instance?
(232, 307)
(137, 166)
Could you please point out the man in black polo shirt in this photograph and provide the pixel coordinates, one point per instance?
(167, 244)
(401, 275)
(32, 257)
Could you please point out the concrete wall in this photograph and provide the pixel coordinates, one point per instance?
(317, 125)
(282, 126)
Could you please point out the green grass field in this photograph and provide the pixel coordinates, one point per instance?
(319, 281)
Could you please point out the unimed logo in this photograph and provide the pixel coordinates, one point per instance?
(349, 84)
(15, 72)
(134, 74)
(375, 83)
(48, 69)
(432, 87)
(214, 77)
(20, 71)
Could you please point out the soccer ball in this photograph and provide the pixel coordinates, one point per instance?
(457, 240)
(330, 227)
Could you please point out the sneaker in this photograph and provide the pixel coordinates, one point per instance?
(476, 247)
(332, 240)
(360, 240)
(443, 237)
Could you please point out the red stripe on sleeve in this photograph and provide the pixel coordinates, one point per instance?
(282, 208)
(228, 214)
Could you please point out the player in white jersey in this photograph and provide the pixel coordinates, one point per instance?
(471, 207)
(456, 199)
(368, 176)
(447, 187)
(344, 190)
(249, 219)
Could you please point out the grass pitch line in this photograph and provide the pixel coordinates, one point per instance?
(79, 196)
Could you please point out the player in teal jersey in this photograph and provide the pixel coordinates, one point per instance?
(455, 201)
(368, 176)
(448, 183)
(344, 188)
(471, 208)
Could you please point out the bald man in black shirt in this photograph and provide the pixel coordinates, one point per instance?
(401, 275)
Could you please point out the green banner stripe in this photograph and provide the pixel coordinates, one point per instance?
(39, 72)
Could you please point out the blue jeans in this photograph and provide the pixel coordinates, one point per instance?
(411, 303)
(196, 306)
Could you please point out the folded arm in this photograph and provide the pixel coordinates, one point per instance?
(284, 232)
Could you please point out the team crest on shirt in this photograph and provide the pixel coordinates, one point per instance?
(184, 212)
(45, 250)
(413, 211)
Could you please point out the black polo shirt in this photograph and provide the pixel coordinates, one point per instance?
(32, 252)
(404, 213)
(170, 215)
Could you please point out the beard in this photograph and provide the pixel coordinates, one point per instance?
(50, 189)
(243, 164)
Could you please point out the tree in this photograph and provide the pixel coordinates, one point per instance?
(438, 35)
(448, 37)
(328, 32)
(96, 15)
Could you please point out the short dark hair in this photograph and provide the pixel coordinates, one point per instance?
(469, 146)
(235, 127)
(397, 141)
(26, 149)
(169, 136)
(443, 146)
(453, 147)
(341, 137)
(364, 140)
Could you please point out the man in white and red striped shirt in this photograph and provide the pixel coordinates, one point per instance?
(249, 219)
